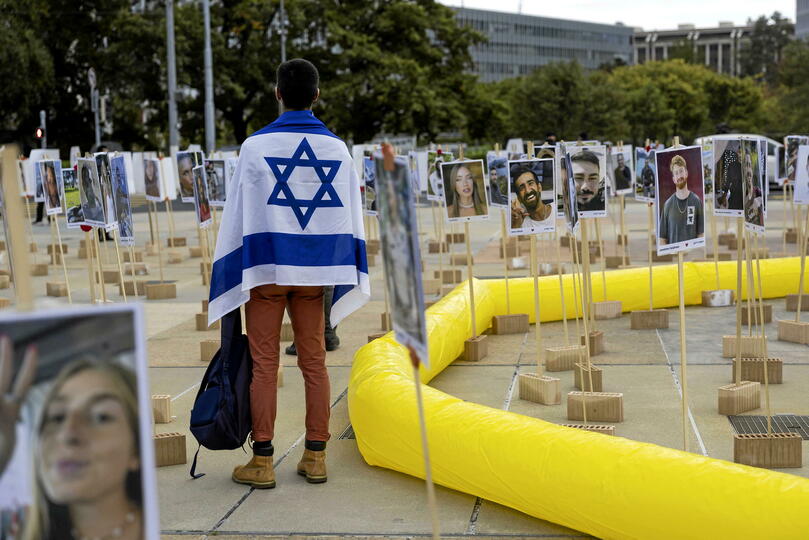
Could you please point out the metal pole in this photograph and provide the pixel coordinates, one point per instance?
(42, 118)
(96, 117)
(210, 113)
(283, 33)
(174, 136)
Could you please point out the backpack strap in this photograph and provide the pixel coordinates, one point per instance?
(194, 465)
(231, 328)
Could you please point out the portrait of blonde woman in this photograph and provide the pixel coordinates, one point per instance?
(464, 189)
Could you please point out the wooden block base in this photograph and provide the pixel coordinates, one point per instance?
(539, 389)
(176, 257)
(56, 288)
(751, 346)
(753, 370)
(83, 252)
(609, 309)
(130, 288)
(431, 287)
(446, 289)
(614, 261)
(456, 238)
(718, 298)
(601, 406)
(725, 238)
(595, 428)
(436, 247)
(32, 247)
(140, 269)
(161, 291)
(176, 241)
(792, 331)
(459, 259)
(735, 399)
(769, 451)
(375, 335)
(195, 252)
(54, 248)
(791, 236)
(385, 322)
(126, 256)
(372, 246)
(746, 314)
(582, 376)
(287, 334)
(111, 277)
(169, 449)
(55, 258)
(649, 319)
(563, 358)
(161, 408)
(511, 251)
(4, 302)
(450, 277)
(201, 320)
(207, 349)
(516, 323)
(5, 282)
(475, 349)
(596, 342)
(204, 305)
(39, 269)
(792, 302)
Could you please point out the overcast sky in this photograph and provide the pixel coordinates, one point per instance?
(648, 14)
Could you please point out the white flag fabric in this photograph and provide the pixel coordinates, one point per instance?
(293, 216)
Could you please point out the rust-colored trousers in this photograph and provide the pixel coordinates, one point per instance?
(265, 313)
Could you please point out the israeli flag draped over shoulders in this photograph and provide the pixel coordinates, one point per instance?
(293, 216)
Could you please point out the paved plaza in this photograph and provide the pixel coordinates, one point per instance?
(361, 501)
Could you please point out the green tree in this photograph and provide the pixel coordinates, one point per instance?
(760, 55)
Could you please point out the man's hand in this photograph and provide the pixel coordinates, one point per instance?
(517, 214)
(11, 401)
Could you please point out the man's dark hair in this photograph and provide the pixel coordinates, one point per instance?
(586, 156)
(518, 170)
(297, 81)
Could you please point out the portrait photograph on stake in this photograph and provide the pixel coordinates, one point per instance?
(622, 171)
(465, 190)
(589, 166)
(151, 180)
(185, 173)
(801, 175)
(79, 460)
(644, 175)
(435, 185)
(123, 208)
(680, 200)
(202, 205)
(70, 186)
(369, 186)
(753, 188)
(532, 196)
(51, 172)
(400, 253)
(728, 194)
(105, 183)
(497, 165)
(215, 176)
(90, 192)
(568, 189)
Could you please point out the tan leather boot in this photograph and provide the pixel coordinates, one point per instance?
(257, 473)
(313, 466)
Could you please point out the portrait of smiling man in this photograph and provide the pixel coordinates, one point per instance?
(527, 209)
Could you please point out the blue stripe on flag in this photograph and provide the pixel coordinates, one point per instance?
(297, 122)
(305, 250)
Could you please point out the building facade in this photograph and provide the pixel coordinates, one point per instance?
(718, 48)
(802, 19)
(518, 44)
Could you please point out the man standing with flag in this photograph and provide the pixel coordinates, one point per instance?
(292, 227)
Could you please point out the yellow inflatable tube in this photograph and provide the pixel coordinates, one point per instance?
(610, 487)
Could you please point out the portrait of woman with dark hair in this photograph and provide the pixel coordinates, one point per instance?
(464, 189)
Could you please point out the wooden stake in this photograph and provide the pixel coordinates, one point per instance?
(30, 229)
(504, 244)
(151, 227)
(425, 449)
(683, 355)
(738, 359)
(715, 246)
(561, 286)
(116, 238)
(651, 247)
(624, 235)
(600, 240)
(576, 282)
(538, 337)
(587, 294)
(62, 256)
(18, 249)
(470, 278)
(171, 224)
(90, 247)
(159, 248)
(763, 339)
(99, 265)
(132, 268)
(802, 250)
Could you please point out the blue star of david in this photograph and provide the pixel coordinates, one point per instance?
(282, 169)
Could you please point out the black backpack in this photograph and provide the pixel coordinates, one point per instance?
(220, 417)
